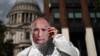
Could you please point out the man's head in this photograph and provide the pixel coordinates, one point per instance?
(40, 30)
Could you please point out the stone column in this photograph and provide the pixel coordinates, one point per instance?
(24, 17)
(19, 18)
(63, 18)
(11, 19)
(19, 39)
(24, 35)
(33, 16)
(28, 19)
(14, 19)
(90, 43)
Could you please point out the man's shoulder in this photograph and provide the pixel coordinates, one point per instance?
(24, 52)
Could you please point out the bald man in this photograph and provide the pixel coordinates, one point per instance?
(47, 42)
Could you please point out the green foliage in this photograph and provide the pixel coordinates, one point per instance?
(2, 30)
(6, 48)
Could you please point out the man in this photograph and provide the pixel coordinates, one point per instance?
(47, 42)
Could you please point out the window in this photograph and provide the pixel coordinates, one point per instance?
(56, 15)
(27, 35)
(78, 15)
(95, 14)
(92, 15)
(74, 15)
(98, 14)
(70, 15)
(22, 17)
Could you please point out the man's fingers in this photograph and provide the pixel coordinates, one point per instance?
(52, 28)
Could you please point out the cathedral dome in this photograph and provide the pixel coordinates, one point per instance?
(25, 10)
(26, 5)
(26, 1)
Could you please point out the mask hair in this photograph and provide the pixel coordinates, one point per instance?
(40, 16)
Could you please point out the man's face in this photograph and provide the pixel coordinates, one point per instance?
(40, 31)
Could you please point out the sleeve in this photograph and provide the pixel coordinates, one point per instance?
(19, 54)
(64, 46)
(25, 52)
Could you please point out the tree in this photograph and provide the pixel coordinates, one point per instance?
(6, 48)
(2, 30)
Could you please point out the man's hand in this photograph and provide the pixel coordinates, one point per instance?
(53, 32)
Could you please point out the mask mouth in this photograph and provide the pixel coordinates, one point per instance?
(36, 45)
(39, 39)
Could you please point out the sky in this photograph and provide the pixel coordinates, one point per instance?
(6, 5)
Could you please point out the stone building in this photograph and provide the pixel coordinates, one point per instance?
(19, 19)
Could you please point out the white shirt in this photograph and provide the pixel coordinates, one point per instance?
(61, 46)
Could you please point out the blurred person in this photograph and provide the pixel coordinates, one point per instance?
(46, 41)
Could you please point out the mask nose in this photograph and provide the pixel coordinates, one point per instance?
(40, 33)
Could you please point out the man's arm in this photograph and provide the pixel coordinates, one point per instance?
(62, 44)
(64, 47)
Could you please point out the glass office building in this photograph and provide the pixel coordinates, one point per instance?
(81, 20)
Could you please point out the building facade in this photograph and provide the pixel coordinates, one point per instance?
(79, 21)
(19, 19)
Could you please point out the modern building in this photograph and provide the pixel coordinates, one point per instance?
(78, 20)
(19, 19)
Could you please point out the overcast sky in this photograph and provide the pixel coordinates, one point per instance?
(6, 5)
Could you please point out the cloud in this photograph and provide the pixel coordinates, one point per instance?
(5, 6)
(12, 1)
(1, 11)
(40, 2)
